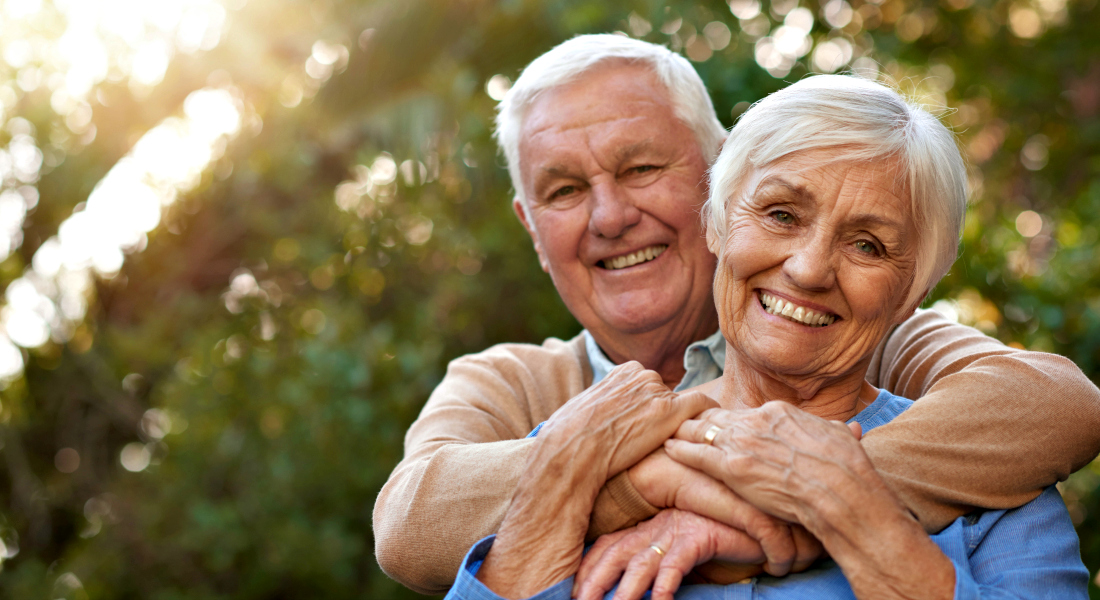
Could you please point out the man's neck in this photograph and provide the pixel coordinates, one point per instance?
(661, 350)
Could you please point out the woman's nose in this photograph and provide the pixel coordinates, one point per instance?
(812, 264)
(613, 210)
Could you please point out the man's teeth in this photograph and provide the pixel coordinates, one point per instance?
(629, 260)
(794, 312)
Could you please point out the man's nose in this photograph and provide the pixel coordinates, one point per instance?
(812, 263)
(613, 210)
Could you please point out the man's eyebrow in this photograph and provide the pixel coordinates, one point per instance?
(620, 154)
(555, 171)
(631, 150)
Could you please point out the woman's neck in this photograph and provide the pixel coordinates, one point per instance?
(835, 397)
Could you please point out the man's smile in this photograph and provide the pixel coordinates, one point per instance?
(633, 258)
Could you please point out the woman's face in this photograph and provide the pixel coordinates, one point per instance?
(816, 266)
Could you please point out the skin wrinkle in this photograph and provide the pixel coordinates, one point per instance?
(838, 213)
(649, 312)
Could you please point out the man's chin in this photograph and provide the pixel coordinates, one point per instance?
(633, 320)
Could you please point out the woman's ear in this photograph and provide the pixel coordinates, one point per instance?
(713, 243)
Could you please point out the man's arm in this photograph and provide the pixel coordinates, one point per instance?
(993, 425)
(465, 455)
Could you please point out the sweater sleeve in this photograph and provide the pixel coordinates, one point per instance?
(465, 454)
(993, 425)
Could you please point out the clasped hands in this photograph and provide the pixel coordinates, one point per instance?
(708, 527)
(729, 514)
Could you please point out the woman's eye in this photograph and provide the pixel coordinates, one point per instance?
(783, 217)
(866, 247)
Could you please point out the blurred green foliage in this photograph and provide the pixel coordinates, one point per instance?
(291, 314)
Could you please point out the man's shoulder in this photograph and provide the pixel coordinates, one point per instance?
(552, 352)
(540, 377)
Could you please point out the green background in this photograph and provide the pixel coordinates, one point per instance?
(279, 420)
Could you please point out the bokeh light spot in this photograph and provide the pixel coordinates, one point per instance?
(135, 457)
(497, 87)
(1029, 223)
(67, 460)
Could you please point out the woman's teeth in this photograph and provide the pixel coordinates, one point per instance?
(794, 312)
(629, 260)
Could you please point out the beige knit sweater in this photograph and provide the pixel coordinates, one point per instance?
(993, 427)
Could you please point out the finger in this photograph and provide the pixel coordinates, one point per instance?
(667, 582)
(809, 549)
(770, 539)
(638, 576)
(856, 429)
(694, 404)
(604, 573)
(701, 457)
(693, 430)
(643, 432)
(597, 554)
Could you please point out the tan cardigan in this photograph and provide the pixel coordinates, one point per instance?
(993, 427)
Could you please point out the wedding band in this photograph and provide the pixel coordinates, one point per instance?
(711, 433)
(657, 549)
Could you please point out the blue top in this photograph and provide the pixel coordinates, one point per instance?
(1027, 552)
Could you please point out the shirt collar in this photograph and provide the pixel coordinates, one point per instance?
(704, 360)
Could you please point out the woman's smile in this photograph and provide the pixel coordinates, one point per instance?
(794, 310)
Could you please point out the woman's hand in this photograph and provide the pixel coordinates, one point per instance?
(723, 554)
(781, 459)
(802, 468)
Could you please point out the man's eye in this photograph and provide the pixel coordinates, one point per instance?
(783, 217)
(564, 191)
(866, 247)
(643, 169)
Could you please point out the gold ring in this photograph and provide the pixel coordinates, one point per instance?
(657, 549)
(711, 433)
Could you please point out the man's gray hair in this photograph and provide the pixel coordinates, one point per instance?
(566, 61)
(858, 120)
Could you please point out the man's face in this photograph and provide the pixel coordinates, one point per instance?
(614, 183)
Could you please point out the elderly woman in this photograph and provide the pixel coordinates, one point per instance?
(835, 207)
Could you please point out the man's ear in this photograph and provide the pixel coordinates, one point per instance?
(521, 214)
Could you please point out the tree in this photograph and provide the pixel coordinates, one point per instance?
(213, 415)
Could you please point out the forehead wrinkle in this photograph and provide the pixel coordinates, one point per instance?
(776, 179)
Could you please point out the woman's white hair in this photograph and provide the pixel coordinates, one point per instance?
(858, 120)
(566, 61)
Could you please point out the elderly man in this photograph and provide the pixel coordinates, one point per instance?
(608, 140)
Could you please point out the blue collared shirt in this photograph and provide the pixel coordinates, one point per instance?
(1027, 552)
(703, 360)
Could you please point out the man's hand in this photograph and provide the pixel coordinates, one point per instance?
(623, 418)
(593, 437)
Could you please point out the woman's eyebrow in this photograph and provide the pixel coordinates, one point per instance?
(870, 219)
(800, 191)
